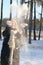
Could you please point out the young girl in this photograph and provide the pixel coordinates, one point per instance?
(5, 47)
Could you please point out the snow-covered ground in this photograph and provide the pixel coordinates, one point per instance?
(1, 45)
(34, 54)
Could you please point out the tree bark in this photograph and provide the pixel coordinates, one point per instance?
(22, 1)
(30, 21)
(40, 23)
(1, 16)
(34, 19)
(10, 10)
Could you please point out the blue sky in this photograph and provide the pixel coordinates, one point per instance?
(6, 8)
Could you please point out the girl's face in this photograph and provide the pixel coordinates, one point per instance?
(9, 23)
(13, 24)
